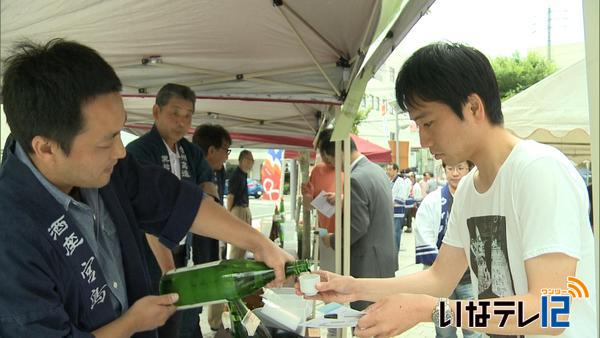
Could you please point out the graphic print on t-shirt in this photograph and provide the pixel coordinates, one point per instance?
(489, 257)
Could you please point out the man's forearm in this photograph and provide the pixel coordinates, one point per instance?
(164, 256)
(215, 222)
(422, 282)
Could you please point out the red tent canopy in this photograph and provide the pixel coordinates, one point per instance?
(372, 151)
(294, 154)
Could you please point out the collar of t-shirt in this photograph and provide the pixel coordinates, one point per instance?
(356, 161)
(174, 160)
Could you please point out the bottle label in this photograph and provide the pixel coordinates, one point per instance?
(251, 323)
(225, 318)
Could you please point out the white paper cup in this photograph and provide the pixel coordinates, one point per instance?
(308, 282)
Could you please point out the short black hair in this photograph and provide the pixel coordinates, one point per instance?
(45, 86)
(448, 73)
(395, 166)
(326, 146)
(207, 135)
(172, 89)
(243, 154)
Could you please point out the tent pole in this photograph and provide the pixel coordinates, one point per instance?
(280, 71)
(322, 125)
(397, 140)
(304, 118)
(188, 68)
(312, 56)
(288, 70)
(362, 48)
(293, 191)
(256, 121)
(346, 332)
(292, 85)
(338, 207)
(304, 162)
(347, 208)
(270, 127)
(230, 78)
(590, 23)
(227, 77)
(338, 52)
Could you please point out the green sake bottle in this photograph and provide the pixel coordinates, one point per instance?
(222, 281)
(238, 311)
(276, 234)
(282, 209)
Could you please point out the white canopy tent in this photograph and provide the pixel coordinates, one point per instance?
(268, 67)
(257, 66)
(554, 111)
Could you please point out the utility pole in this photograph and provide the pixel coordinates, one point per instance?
(549, 29)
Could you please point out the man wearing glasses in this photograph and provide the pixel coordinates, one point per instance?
(430, 227)
(165, 145)
(214, 140)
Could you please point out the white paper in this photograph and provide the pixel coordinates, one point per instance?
(320, 203)
(251, 323)
(283, 307)
(346, 317)
(225, 319)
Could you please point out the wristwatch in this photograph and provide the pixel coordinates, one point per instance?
(448, 314)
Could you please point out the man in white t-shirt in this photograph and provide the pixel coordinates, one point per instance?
(519, 221)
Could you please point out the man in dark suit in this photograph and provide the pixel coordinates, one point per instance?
(372, 252)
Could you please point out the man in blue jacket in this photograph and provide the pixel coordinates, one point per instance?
(72, 204)
(165, 145)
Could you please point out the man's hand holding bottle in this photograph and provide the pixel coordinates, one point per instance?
(212, 220)
(274, 257)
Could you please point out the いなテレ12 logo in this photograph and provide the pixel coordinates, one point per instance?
(556, 303)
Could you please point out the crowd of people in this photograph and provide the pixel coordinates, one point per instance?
(407, 194)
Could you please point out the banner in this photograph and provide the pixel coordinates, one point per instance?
(270, 174)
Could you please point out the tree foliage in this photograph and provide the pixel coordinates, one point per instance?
(515, 73)
(360, 116)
